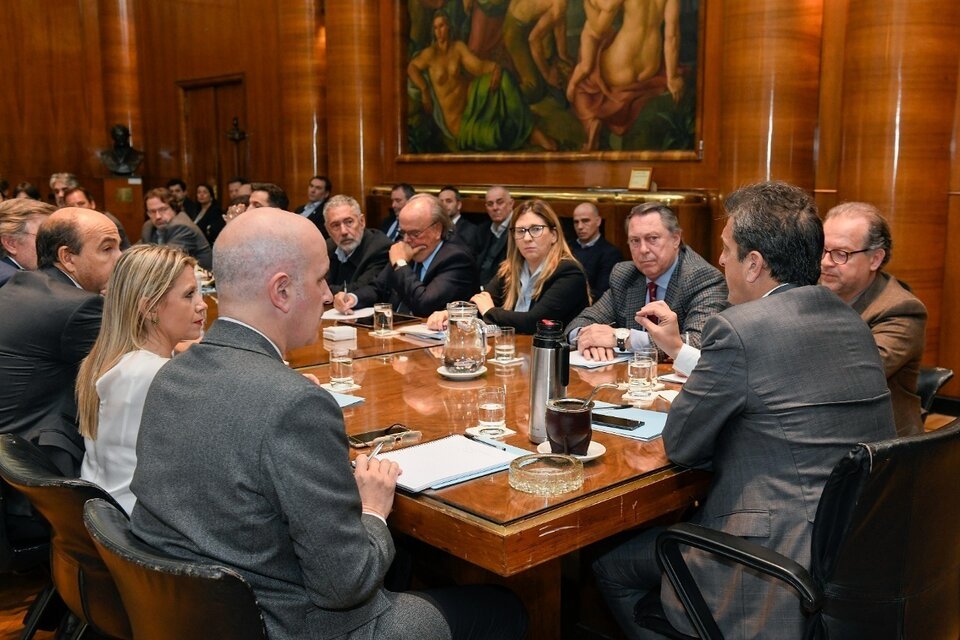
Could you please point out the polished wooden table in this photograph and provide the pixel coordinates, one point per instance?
(517, 536)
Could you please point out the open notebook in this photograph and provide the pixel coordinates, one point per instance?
(447, 461)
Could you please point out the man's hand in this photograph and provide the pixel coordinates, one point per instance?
(437, 321)
(377, 481)
(666, 333)
(484, 302)
(400, 250)
(596, 342)
(344, 302)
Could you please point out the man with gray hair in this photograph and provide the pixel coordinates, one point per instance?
(19, 222)
(253, 470)
(59, 184)
(663, 268)
(426, 270)
(857, 246)
(357, 254)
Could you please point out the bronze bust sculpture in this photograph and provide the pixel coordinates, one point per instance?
(122, 159)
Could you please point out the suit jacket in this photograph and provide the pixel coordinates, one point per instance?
(253, 471)
(564, 295)
(776, 400)
(212, 222)
(47, 327)
(182, 233)
(388, 222)
(316, 216)
(452, 276)
(7, 270)
(598, 260)
(696, 292)
(898, 321)
(494, 251)
(469, 234)
(363, 265)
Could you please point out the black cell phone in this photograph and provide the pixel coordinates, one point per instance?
(360, 440)
(617, 423)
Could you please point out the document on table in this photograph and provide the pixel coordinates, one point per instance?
(577, 360)
(455, 458)
(344, 400)
(423, 332)
(333, 314)
(652, 427)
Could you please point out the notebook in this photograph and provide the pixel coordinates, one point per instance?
(455, 458)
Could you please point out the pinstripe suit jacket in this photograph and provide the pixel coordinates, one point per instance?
(696, 292)
(786, 385)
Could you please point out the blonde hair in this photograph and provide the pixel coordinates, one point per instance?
(509, 271)
(15, 213)
(143, 276)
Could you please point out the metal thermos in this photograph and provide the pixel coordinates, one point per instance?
(549, 374)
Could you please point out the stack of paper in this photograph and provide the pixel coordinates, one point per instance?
(577, 360)
(423, 331)
(441, 463)
(652, 427)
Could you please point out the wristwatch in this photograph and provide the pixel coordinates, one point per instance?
(399, 263)
(622, 335)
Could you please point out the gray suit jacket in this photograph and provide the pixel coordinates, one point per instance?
(696, 292)
(181, 232)
(243, 461)
(785, 387)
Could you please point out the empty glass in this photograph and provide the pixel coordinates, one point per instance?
(382, 319)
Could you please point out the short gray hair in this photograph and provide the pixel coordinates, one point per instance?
(341, 200)
(878, 231)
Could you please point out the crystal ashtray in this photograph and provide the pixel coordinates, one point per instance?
(546, 474)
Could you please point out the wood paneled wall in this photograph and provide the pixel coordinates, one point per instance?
(855, 99)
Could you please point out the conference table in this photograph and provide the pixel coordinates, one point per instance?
(517, 537)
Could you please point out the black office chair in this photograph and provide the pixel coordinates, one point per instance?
(930, 380)
(170, 599)
(80, 576)
(885, 552)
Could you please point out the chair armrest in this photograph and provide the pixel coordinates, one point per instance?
(732, 548)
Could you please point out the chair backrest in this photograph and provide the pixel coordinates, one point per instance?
(886, 542)
(80, 576)
(929, 381)
(20, 553)
(170, 599)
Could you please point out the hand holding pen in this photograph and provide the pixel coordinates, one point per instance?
(376, 480)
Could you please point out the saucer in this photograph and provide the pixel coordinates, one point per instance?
(594, 451)
(453, 375)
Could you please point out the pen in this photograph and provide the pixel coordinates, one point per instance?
(376, 449)
(496, 444)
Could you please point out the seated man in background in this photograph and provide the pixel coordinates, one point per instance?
(594, 252)
(261, 480)
(425, 271)
(19, 221)
(50, 320)
(357, 254)
(663, 268)
(499, 205)
(266, 194)
(464, 230)
(80, 197)
(857, 245)
(789, 379)
(399, 196)
(178, 189)
(169, 225)
(318, 194)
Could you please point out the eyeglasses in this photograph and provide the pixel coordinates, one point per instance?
(839, 256)
(162, 209)
(415, 235)
(396, 439)
(535, 231)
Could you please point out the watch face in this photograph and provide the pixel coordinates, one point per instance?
(621, 334)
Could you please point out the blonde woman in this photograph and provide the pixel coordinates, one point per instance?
(152, 303)
(539, 278)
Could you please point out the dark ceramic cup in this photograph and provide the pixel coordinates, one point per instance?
(568, 425)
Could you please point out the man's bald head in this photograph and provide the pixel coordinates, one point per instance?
(81, 242)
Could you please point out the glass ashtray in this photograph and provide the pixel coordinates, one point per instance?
(546, 474)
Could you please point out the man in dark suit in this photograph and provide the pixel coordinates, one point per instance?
(499, 205)
(253, 470)
(858, 245)
(318, 193)
(50, 320)
(168, 226)
(463, 230)
(593, 251)
(788, 380)
(425, 271)
(663, 268)
(20, 220)
(178, 189)
(399, 196)
(357, 254)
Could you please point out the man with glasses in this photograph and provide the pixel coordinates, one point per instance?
(357, 254)
(857, 245)
(663, 268)
(426, 271)
(166, 224)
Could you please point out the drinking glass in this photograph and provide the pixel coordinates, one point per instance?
(341, 368)
(641, 375)
(382, 319)
(491, 407)
(504, 344)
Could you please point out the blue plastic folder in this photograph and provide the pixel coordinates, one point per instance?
(653, 421)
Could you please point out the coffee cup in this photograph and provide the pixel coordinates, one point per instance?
(568, 424)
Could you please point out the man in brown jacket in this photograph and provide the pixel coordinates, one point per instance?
(857, 245)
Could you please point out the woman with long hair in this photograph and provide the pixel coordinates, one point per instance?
(210, 217)
(539, 278)
(152, 303)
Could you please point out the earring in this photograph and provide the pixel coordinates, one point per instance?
(155, 320)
